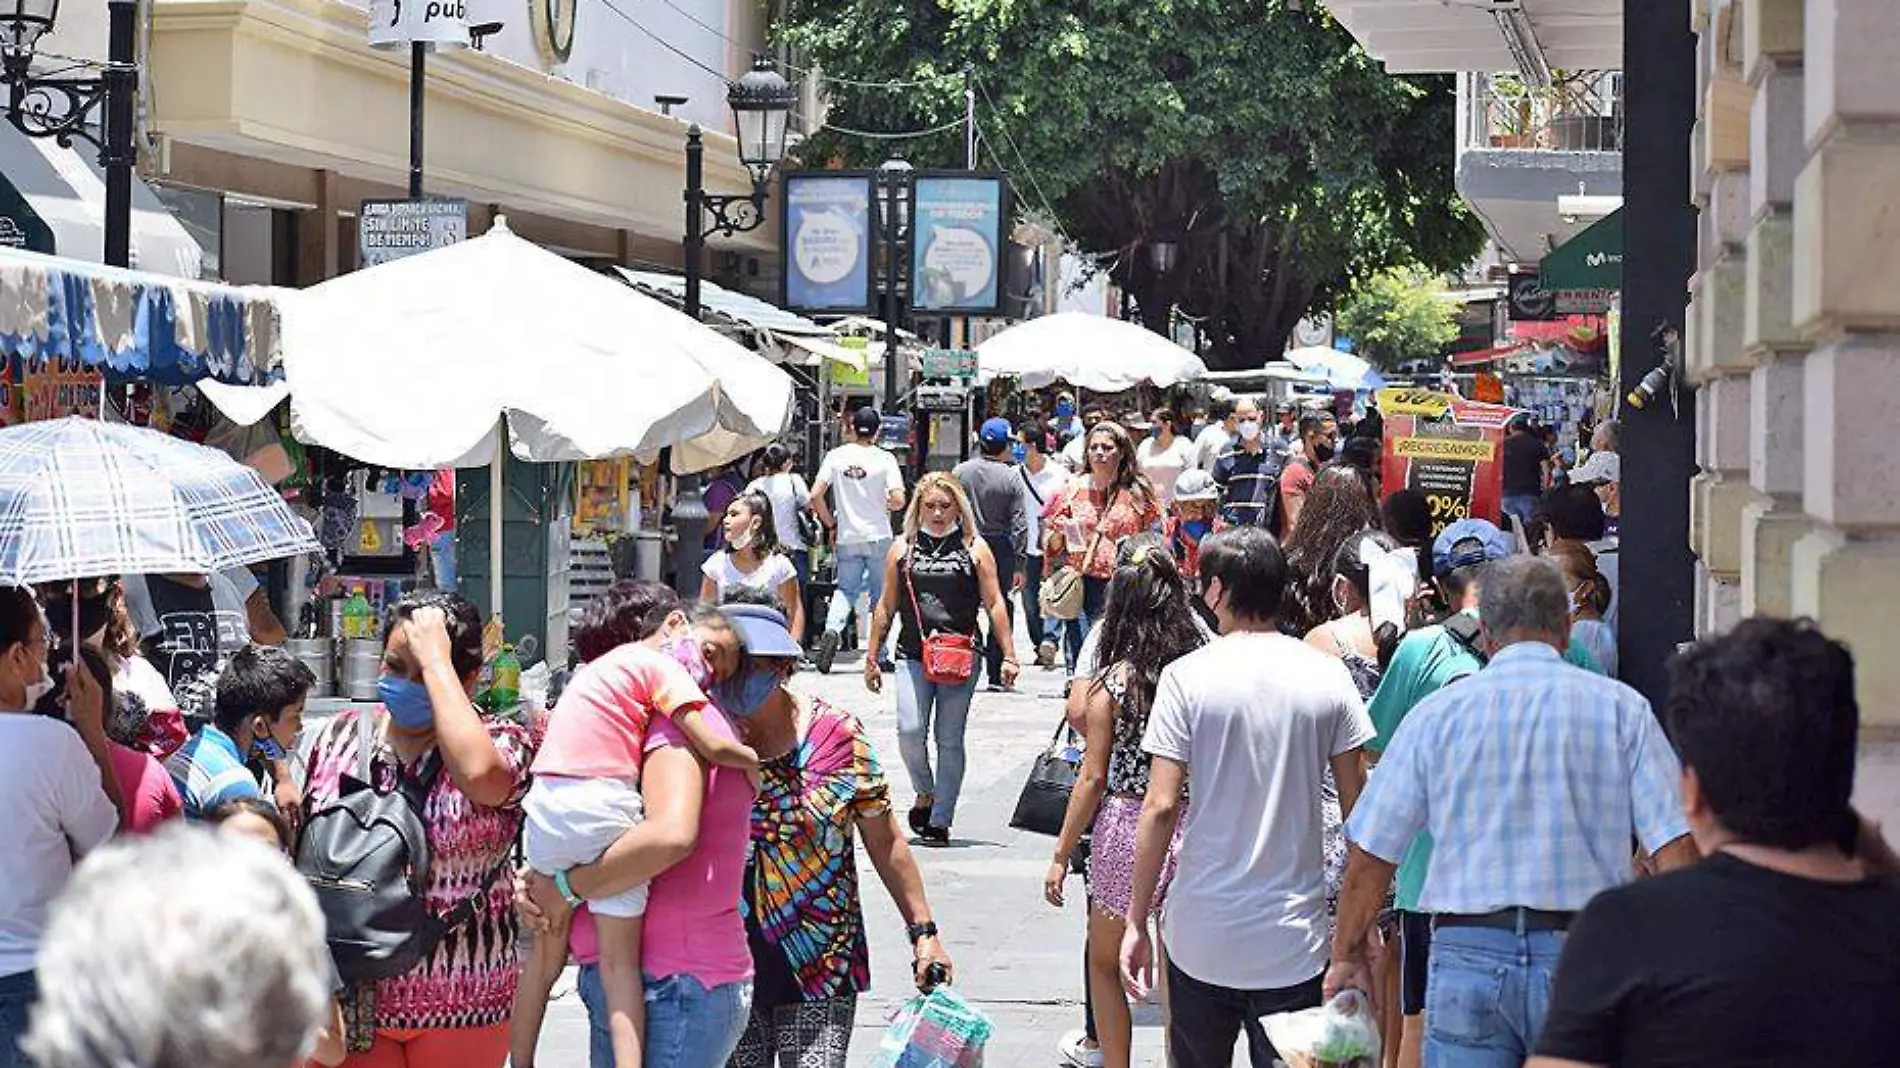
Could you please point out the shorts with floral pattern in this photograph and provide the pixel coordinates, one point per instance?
(1112, 856)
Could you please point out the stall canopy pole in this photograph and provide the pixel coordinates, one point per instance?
(496, 503)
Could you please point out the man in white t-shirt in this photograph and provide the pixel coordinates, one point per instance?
(1256, 717)
(1222, 431)
(869, 487)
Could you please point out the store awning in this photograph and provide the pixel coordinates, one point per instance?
(52, 201)
(1585, 273)
(742, 309)
(1490, 355)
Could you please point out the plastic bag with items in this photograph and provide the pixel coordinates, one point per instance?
(935, 1030)
(1339, 1034)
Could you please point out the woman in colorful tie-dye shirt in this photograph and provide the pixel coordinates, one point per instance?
(822, 789)
(452, 1010)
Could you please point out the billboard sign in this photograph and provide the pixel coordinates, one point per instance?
(392, 229)
(828, 240)
(958, 242)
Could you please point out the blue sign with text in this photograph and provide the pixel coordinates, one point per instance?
(827, 248)
(957, 243)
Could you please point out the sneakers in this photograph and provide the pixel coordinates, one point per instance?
(827, 652)
(1046, 655)
(1076, 1053)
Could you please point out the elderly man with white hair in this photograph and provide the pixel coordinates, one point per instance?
(183, 949)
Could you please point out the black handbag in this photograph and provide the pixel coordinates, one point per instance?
(1044, 802)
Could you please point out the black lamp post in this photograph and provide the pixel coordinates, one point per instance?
(61, 107)
(893, 216)
(761, 107)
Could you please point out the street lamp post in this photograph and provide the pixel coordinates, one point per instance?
(62, 107)
(893, 213)
(761, 105)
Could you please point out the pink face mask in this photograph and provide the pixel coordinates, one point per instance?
(691, 656)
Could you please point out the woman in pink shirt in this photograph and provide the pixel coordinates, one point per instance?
(691, 851)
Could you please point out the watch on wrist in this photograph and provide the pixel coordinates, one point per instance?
(921, 931)
(567, 891)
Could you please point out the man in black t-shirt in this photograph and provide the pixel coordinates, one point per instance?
(1783, 947)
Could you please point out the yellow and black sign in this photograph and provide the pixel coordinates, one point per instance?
(1476, 452)
(1425, 402)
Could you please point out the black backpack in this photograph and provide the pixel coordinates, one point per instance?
(366, 855)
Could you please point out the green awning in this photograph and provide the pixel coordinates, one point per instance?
(20, 226)
(1590, 261)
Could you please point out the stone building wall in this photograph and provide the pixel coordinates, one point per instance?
(1793, 338)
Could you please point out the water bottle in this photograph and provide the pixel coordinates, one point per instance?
(504, 685)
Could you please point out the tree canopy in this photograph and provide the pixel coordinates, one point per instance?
(1277, 156)
(1398, 315)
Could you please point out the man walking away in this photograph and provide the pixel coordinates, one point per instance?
(1531, 776)
(870, 487)
(1248, 473)
(1256, 717)
(1000, 497)
(1782, 948)
(1319, 439)
(1218, 436)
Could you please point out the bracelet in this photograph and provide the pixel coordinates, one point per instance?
(567, 891)
(920, 931)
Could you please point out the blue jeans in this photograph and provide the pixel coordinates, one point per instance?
(18, 992)
(919, 702)
(1521, 505)
(860, 570)
(688, 1026)
(1487, 994)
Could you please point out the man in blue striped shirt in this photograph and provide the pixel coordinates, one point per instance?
(1531, 777)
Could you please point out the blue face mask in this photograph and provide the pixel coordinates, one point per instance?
(742, 696)
(1065, 409)
(1196, 529)
(1019, 452)
(407, 702)
(268, 749)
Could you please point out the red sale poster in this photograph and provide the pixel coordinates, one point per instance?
(1446, 448)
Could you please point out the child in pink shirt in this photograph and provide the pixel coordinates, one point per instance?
(586, 794)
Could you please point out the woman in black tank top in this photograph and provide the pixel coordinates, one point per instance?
(939, 579)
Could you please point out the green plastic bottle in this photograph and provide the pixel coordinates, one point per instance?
(504, 684)
(359, 619)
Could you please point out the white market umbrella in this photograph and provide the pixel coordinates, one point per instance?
(419, 362)
(1091, 352)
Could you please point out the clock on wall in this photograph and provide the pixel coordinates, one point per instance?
(553, 22)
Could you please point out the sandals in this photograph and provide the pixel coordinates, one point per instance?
(920, 815)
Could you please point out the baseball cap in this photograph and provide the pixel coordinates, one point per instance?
(1195, 485)
(762, 631)
(994, 432)
(1468, 542)
(866, 420)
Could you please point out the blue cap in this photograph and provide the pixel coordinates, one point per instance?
(1467, 542)
(994, 432)
(762, 631)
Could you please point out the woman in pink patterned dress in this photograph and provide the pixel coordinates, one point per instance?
(452, 1010)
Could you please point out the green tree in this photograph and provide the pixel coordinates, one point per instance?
(1398, 315)
(1278, 157)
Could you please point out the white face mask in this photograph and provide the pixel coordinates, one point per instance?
(1249, 429)
(36, 691)
(742, 540)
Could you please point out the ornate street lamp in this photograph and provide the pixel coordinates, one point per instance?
(893, 217)
(761, 109)
(62, 107)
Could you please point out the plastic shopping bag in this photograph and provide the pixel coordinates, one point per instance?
(935, 1030)
(1339, 1034)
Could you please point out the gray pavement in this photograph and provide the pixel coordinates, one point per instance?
(1018, 959)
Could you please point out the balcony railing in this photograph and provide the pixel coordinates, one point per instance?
(1581, 112)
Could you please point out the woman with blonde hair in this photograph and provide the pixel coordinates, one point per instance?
(938, 578)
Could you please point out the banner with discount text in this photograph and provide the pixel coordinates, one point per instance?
(1448, 449)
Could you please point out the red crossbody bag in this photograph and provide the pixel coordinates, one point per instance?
(949, 659)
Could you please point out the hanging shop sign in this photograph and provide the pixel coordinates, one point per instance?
(400, 23)
(391, 229)
(958, 242)
(942, 398)
(58, 387)
(1585, 274)
(826, 254)
(1526, 300)
(949, 363)
(1448, 449)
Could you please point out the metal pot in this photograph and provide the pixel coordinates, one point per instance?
(362, 665)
